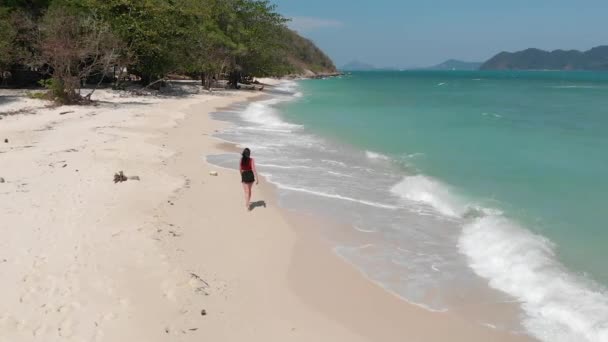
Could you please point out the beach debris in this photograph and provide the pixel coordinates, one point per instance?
(1, 180)
(120, 177)
(6, 141)
(198, 284)
(194, 329)
(213, 173)
(64, 165)
(203, 312)
(69, 111)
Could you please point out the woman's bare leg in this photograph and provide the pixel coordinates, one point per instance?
(247, 191)
(249, 185)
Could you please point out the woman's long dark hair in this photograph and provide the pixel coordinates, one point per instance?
(245, 157)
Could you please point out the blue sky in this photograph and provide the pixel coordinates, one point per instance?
(422, 33)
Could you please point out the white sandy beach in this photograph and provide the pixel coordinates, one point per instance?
(173, 256)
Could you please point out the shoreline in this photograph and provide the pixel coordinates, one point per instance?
(343, 274)
(147, 257)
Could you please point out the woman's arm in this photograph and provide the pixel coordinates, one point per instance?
(255, 172)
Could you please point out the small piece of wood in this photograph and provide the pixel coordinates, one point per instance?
(120, 177)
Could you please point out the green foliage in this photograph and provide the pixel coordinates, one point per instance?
(304, 54)
(33, 7)
(75, 44)
(38, 95)
(7, 36)
(212, 38)
(56, 90)
(155, 32)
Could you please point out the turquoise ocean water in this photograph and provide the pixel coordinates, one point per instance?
(457, 181)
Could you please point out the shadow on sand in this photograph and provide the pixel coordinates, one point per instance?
(257, 204)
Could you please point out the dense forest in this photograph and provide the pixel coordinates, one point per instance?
(63, 44)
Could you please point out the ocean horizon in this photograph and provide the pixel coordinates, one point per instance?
(459, 187)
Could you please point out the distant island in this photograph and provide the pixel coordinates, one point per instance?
(454, 64)
(536, 59)
(529, 59)
(357, 66)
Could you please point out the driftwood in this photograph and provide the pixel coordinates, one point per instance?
(121, 177)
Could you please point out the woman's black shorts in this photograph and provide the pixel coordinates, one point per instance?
(247, 176)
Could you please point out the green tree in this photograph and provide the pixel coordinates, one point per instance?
(75, 45)
(7, 36)
(153, 31)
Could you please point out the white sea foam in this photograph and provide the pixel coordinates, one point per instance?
(261, 113)
(333, 162)
(574, 87)
(284, 166)
(376, 156)
(287, 86)
(365, 230)
(431, 192)
(339, 174)
(265, 129)
(559, 306)
(414, 155)
(498, 116)
(335, 196)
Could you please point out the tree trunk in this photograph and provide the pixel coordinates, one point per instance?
(234, 78)
(146, 79)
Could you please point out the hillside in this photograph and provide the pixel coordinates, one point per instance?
(305, 57)
(536, 59)
(453, 64)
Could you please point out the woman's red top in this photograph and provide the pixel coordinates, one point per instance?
(247, 166)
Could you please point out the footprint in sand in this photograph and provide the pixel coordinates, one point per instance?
(39, 330)
(65, 328)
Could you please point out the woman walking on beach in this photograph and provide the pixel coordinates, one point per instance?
(248, 175)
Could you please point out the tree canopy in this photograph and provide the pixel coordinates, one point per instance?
(153, 38)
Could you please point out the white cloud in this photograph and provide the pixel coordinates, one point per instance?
(311, 23)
